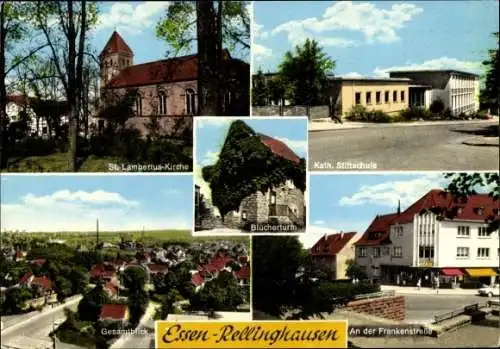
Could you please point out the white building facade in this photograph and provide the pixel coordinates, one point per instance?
(426, 245)
(458, 90)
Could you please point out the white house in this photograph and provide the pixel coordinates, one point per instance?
(437, 235)
(458, 90)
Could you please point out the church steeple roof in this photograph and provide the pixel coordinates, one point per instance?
(116, 44)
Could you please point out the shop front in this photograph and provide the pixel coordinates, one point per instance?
(408, 276)
(452, 276)
(487, 276)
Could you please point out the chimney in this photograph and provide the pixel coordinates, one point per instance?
(399, 207)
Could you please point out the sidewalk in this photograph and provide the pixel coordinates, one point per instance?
(428, 291)
(329, 125)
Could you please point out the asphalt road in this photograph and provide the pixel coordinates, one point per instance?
(143, 341)
(35, 334)
(392, 147)
(422, 308)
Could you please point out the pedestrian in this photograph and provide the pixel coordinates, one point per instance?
(419, 283)
(437, 285)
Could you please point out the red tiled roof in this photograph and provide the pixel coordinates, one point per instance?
(113, 312)
(101, 271)
(39, 261)
(160, 268)
(116, 44)
(43, 282)
(217, 264)
(243, 259)
(243, 273)
(378, 231)
(439, 201)
(330, 245)
(279, 148)
(111, 288)
(25, 278)
(197, 279)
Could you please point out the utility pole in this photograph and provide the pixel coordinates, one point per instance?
(97, 233)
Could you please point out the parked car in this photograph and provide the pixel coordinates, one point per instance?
(489, 290)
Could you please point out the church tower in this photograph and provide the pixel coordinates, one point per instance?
(115, 57)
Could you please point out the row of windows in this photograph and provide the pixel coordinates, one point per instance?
(482, 252)
(462, 90)
(397, 251)
(190, 103)
(378, 97)
(464, 231)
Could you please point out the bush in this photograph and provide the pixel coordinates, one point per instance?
(361, 114)
(447, 114)
(437, 106)
(37, 146)
(481, 115)
(416, 113)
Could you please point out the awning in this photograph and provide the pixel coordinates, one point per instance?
(452, 272)
(479, 272)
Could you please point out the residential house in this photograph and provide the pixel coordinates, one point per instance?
(332, 252)
(197, 280)
(243, 275)
(111, 289)
(438, 235)
(283, 204)
(389, 95)
(458, 90)
(43, 285)
(102, 272)
(20, 255)
(114, 312)
(39, 262)
(168, 88)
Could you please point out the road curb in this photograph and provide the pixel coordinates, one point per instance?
(404, 124)
(33, 318)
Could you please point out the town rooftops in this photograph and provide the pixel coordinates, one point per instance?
(368, 79)
(476, 208)
(42, 282)
(279, 148)
(197, 279)
(330, 245)
(26, 278)
(243, 273)
(116, 44)
(113, 312)
(426, 71)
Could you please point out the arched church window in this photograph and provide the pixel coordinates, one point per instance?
(190, 102)
(138, 105)
(162, 103)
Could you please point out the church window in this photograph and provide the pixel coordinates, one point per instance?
(138, 105)
(190, 102)
(162, 103)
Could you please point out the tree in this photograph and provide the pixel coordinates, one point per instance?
(306, 72)
(491, 93)
(354, 271)
(135, 278)
(63, 288)
(217, 23)
(276, 90)
(15, 300)
(259, 90)
(90, 306)
(462, 185)
(137, 304)
(79, 280)
(437, 106)
(67, 46)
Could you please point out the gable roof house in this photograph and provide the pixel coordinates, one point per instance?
(166, 88)
(332, 252)
(114, 312)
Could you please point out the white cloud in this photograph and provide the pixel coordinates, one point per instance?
(296, 145)
(212, 122)
(261, 52)
(376, 24)
(390, 192)
(129, 18)
(434, 64)
(337, 42)
(78, 211)
(66, 196)
(210, 158)
(258, 31)
(351, 75)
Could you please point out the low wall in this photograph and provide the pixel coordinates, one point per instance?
(392, 308)
(315, 112)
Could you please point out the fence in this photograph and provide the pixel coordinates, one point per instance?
(312, 112)
(375, 295)
(467, 310)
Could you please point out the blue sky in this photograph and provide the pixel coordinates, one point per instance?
(136, 23)
(73, 202)
(371, 38)
(350, 202)
(211, 133)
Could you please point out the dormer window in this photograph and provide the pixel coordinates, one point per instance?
(480, 211)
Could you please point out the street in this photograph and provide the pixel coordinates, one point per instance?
(391, 147)
(35, 334)
(422, 308)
